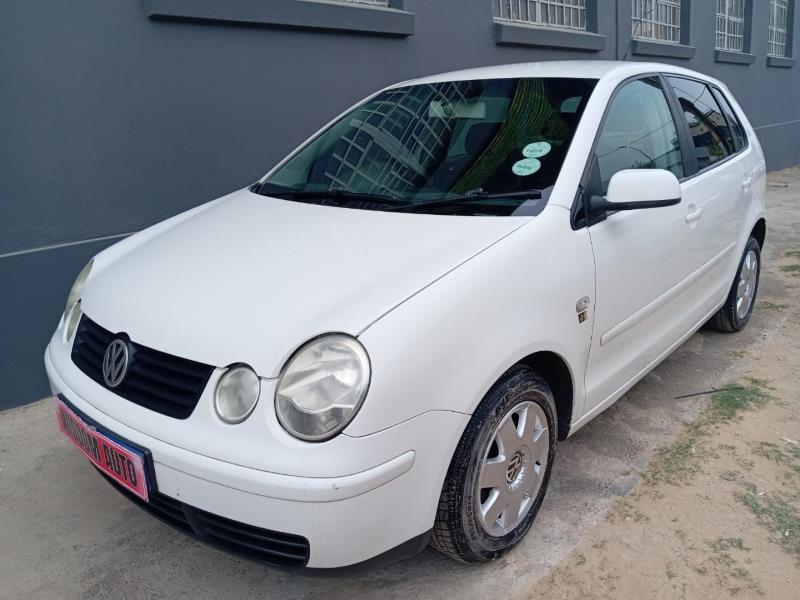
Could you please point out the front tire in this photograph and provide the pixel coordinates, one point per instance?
(738, 307)
(500, 470)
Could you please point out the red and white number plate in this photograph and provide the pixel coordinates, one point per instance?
(123, 465)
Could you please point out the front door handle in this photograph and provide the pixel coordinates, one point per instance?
(693, 216)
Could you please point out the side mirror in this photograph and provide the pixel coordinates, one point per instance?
(633, 189)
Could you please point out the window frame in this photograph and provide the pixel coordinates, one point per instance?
(720, 95)
(745, 56)
(787, 45)
(683, 49)
(393, 19)
(586, 8)
(578, 218)
(520, 33)
(747, 19)
(682, 8)
(712, 89)
(787, 61)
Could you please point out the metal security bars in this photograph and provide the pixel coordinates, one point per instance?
(658, 20)
(778, 26)
(564, 14)
(373, 2)
(730, 25)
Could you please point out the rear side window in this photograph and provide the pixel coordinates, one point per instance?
(638, 133)
(734, 126)
(713, 141)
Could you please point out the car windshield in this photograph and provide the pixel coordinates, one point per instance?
(480, 147)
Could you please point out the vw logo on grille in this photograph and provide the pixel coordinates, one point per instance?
(115, 363)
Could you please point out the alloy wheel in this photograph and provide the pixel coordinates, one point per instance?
(513, 468)
(746, 289)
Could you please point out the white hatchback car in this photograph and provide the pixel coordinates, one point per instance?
(380, 342)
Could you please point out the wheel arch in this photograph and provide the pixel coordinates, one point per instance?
(558, 375)
(760, 231)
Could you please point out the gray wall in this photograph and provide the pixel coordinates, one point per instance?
(112, 121)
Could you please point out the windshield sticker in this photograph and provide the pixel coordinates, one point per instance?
(525, 167)
(570, 105)
(536, 149)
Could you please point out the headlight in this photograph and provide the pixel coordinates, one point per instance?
(322, 387)
(72, 319)
(77, 288)
(237, 393)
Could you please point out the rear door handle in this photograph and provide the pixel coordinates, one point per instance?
(694, 215)
(747, 181)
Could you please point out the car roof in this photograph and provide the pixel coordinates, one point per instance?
(582, 69)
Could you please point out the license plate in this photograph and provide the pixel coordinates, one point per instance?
(124, 465)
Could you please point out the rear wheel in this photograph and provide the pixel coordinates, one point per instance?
(499, 473)
(738, 307)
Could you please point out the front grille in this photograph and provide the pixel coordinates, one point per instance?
(273, 548)
(167, 384)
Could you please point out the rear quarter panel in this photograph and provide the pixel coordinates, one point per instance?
(755, 165)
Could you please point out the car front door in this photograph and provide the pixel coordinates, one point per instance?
(644, 292)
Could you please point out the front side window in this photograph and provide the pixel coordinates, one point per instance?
(638, 133)
(658, 20)
(730, 25)
(708, 127)
(778, 27)
(461, 147)
(565, 14)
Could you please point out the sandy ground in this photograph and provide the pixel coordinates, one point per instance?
(717, 513)
(659, 497)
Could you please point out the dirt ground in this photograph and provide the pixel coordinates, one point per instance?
(717, 512)
(667, 494)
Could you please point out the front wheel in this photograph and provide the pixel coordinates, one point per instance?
(499, 473)
(738, 307)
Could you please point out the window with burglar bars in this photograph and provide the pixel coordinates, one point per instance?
(730, 25)
(565, 14)
(657, 20)
(778, 27)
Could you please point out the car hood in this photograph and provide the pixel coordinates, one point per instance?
(249, 278)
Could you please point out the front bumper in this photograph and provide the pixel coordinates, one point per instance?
(346, 520)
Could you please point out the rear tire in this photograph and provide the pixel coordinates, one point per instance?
(738, 307)
(500, 470)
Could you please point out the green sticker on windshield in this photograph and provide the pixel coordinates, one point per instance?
(525, 167)
(536, 149)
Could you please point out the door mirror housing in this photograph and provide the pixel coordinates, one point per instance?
(633, 189)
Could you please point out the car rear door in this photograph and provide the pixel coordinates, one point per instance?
(718, 191)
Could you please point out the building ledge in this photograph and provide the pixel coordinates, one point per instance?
(303, 14)
(739, 58)
(650, 48)
(519, 34)
(780, 61)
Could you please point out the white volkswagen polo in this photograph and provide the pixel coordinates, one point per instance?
(379, 344)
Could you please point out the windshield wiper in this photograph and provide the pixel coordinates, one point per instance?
(337, 196)
(471, 197)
